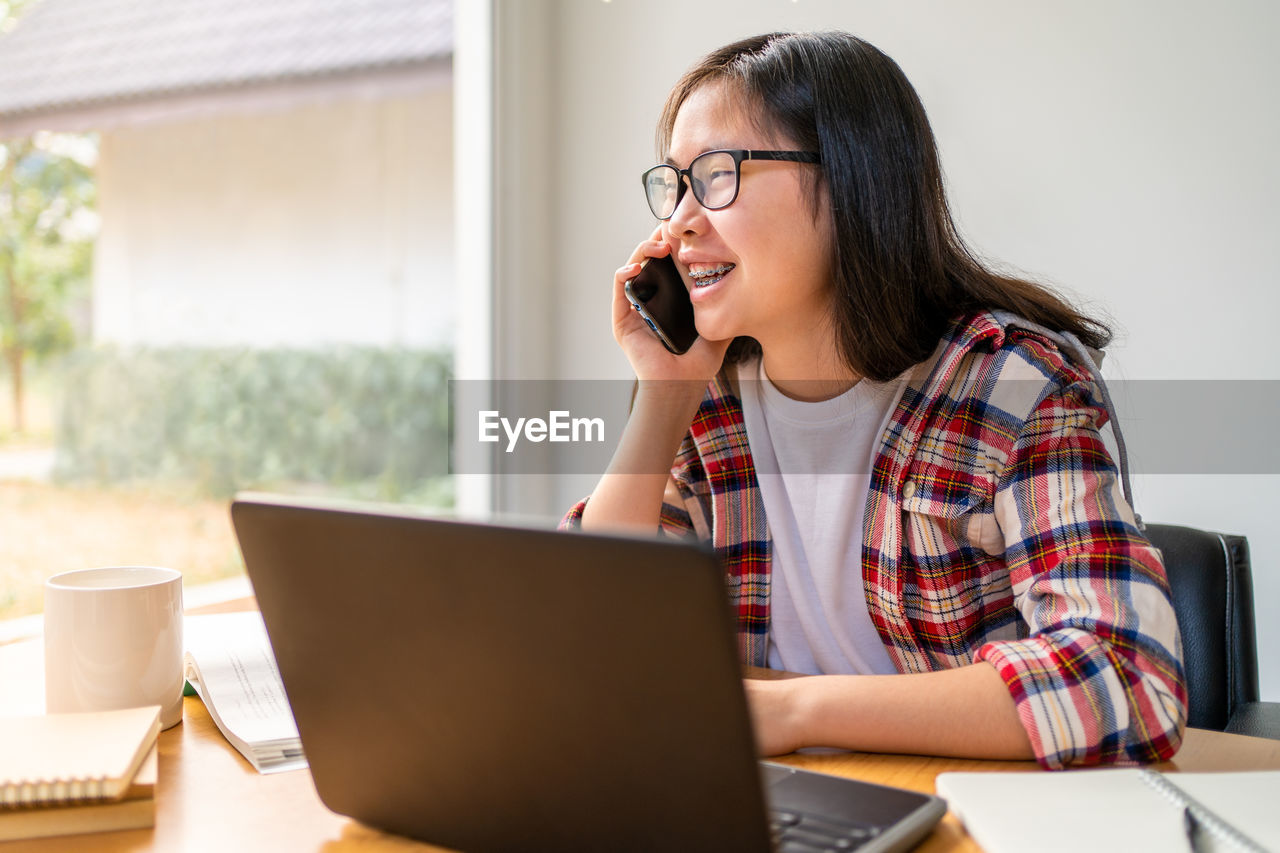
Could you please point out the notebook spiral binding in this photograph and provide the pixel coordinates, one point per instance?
(39, 792)
(1214, 825)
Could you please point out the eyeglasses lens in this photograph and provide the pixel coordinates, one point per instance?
(662, 188)
(714, 178)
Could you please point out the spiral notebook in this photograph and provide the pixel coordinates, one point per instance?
(1117, 809)
(135, 809)
(65, 758)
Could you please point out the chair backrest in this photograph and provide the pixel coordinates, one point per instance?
(1213, 597)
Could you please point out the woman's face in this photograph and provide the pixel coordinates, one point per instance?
(777, 252)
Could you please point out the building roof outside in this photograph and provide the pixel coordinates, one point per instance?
(66, 55)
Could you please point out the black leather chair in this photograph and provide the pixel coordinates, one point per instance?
(1212, 588)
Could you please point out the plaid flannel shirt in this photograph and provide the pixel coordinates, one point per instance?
(995, 530)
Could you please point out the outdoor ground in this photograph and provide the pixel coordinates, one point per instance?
(46, 529)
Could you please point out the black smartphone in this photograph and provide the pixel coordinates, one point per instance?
(659, 295)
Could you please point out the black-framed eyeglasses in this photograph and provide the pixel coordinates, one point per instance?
(713, 176)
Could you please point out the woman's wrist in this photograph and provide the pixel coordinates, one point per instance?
(782, 713)
(669, 403)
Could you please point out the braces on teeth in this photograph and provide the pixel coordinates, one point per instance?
(720, 270)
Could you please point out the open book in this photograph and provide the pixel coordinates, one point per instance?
(1117, 809)
(230, 666)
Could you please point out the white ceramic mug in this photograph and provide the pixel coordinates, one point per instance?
(113, 639)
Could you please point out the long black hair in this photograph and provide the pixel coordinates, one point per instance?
(902, 273)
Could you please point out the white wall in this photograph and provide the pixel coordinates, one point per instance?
(1125, 152)
(328, 222)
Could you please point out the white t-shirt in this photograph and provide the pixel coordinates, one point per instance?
(813, 462)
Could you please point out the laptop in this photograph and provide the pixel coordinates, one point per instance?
(498, 688)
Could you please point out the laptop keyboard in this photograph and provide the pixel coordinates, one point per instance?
(795, 832)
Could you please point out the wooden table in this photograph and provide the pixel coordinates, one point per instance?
(210, 798)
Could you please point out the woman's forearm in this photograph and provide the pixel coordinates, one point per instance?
(965, 712)
(629, 495)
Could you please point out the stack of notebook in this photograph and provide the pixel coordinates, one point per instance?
(63, 774)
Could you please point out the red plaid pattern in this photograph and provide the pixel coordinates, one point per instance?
(995, 530)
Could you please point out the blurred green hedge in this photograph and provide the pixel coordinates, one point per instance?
(361, 421)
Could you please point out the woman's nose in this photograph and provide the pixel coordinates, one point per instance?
(688, 217)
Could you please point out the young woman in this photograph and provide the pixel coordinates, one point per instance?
(894, 450)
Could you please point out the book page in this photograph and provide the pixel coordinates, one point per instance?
(1111, 809)
(231, 667)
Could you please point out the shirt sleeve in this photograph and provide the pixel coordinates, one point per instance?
(1099, 678)
(573, 518)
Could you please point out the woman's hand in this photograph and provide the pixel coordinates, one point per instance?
(649, 358)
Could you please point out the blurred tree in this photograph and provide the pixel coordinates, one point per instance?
(47, 225)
